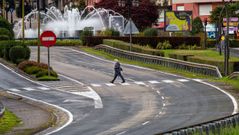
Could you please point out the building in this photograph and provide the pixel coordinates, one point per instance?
(201, 8)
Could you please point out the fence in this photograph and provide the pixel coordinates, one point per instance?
(214, 127)
(2, 109)
(163, 61)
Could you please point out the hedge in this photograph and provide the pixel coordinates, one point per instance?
(233, 65)
(135, 48)
(152, 41)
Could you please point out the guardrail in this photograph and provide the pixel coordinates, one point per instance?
(214, 127)
(167, 62)
(2, 109)
(234, 75)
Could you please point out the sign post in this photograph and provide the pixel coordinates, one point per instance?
(48, 39)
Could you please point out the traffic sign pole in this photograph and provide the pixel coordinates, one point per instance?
(48, 39)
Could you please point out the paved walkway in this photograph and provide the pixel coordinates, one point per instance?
(234, 52)
(32, 116)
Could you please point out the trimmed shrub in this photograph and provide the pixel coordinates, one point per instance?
(110, 32)
(32, 70)
(44, 72)
(85, 33)
(4, 37)
(27, 63)
(17, 54)
(233, 65)
(150, 32)
(164, 45)
(5, 24)
(5, 32)
(135, 48)
(152, 41)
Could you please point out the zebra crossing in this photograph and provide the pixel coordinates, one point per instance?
(70, 87)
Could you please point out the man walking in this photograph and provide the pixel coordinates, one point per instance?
(118, 70)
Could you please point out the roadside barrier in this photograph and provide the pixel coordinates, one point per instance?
(234, 75)
(214, 127)
(2, 109)
(163, 61)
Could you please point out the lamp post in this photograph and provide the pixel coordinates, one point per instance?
(7, 10)
(129, 4)
(205, 33)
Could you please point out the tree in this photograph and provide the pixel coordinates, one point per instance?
(143, 16)
(197, 25)
(215, 14)
(27, 8)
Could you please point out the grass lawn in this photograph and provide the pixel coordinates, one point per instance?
(8, 121)
(152, 66)
(207, 54)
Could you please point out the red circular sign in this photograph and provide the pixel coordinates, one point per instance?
(48, 38)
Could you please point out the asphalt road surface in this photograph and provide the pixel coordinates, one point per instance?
(149, 102)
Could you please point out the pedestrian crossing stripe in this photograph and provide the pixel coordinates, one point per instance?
(154, 82)
(168, 81)
(28, 89)
(43, 88)
(140, 83)
(182, 80)
(96, 85)
(110, 84)
(14, 90)
(125, 84)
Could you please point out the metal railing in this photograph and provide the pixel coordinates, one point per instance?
(163, 61)
(214, 127)
(2, 109)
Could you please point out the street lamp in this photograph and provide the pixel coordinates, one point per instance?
(205, 33)
(129, 4)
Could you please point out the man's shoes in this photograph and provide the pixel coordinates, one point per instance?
(111, 82)
(123, 82)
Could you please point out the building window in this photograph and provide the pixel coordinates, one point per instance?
(205, 9)
(180, 8)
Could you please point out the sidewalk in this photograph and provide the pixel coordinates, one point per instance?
(234, 52)
(34, 119)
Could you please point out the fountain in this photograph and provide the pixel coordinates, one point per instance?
(71, 22)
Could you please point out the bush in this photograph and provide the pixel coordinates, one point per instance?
(85, 33)
(109, 32)
(150, 32)
(5, 32)
(17, 54)
(5, 24)
(32, 70)
(152, 41)
(44, 72)
(27, 63)
(4, 37)
(164, 45)
(233, 65)
(135, 48)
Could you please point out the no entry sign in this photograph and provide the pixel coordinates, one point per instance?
(48, 38)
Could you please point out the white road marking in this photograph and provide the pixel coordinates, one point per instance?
(121, 133)
(154, 82)
(182, 80)
(14, 90)
(43, 88)
(145, 123)
(198, 80)
(28, 89)
(158, 92)
(95, 85)
(140, 83)
(168, 81)
(162, 97)
(93, 95)
(71, 100)
(125, 84)
(110, 84)
(164, 105)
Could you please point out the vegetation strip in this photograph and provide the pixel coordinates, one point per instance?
(8, 121)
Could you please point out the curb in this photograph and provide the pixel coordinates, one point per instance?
(57, 116)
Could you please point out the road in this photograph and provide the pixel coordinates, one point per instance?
(150, 102)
